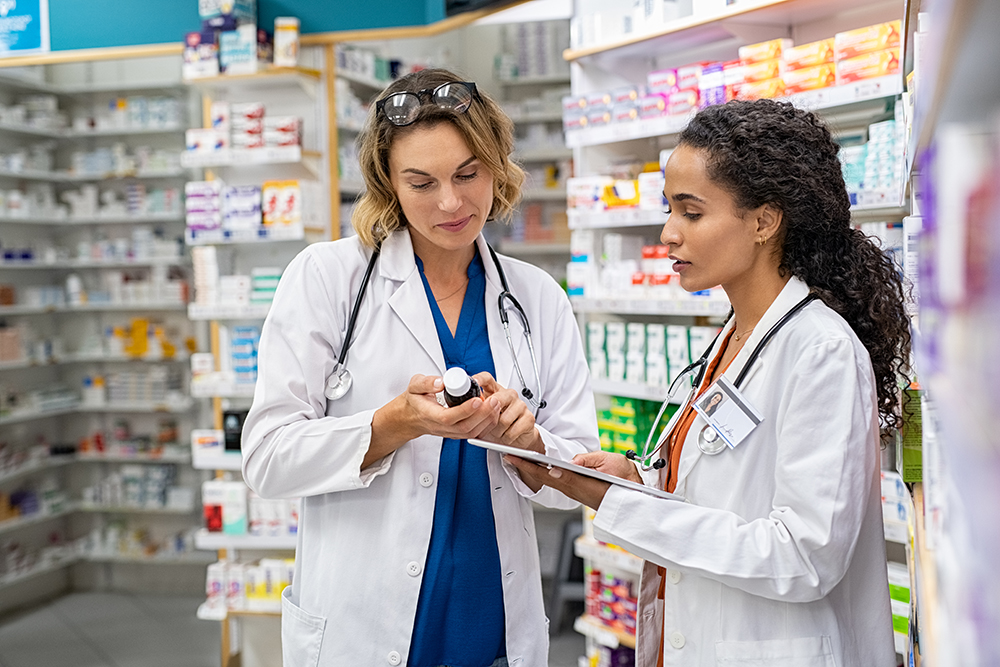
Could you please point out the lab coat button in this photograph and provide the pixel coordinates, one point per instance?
(677, 640)
(426, 479)
(394, 658)
(413, 569)
(673, 576)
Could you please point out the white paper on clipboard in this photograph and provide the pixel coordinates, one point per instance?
(544, 460)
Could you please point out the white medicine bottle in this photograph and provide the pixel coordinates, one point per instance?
(459, 387)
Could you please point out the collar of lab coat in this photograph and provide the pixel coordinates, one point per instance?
(794, 291)
(409, 302)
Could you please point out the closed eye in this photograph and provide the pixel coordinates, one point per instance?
(420, 186)
(467, 177)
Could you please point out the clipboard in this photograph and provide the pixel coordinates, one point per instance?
(549, 462)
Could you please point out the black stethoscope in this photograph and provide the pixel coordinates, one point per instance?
(340, 381)
(709, 441)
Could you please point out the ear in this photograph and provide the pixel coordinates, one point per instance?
(768, 219)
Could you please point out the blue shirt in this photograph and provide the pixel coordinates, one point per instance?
(460, 615)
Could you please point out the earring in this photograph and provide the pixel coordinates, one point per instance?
(761, 240)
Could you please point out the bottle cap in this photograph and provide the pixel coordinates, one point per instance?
(456, 381)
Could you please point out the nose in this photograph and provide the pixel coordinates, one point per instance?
(669, 235)
(450, 200)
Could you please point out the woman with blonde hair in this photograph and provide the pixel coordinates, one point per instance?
(414, 547)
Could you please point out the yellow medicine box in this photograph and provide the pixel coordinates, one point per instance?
(754, 53)
(868, 66)
(808, 55)
(865, 40)
(809, 78)
(757, 90)
(761, 71)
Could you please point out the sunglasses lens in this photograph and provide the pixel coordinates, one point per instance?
(401, 108)
(456, 96)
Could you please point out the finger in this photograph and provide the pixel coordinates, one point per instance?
(456, 416)
(425, 384)
(487, 382)
(484, 418)
(523, 425)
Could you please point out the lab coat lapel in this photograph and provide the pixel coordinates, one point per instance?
(794, 291)
(502, 360)
(409, 300)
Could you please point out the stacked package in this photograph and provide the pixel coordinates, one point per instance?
(868, 52)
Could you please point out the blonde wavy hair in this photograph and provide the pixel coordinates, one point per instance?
(486, 129)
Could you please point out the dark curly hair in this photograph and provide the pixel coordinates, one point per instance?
(768, 152)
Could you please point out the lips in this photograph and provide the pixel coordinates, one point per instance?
(455, 225)
(679, 264)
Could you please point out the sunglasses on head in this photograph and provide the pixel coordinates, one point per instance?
(404, 107)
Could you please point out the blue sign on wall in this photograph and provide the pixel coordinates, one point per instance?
(24, 27)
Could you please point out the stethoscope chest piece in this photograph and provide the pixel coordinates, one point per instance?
(339, 383)
(709, 441)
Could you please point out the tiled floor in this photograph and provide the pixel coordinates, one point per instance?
(125, 630)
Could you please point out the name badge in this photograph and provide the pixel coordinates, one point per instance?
(727, 412)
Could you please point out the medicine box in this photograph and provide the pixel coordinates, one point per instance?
(808, 55)
(753, 53)
(877, 37)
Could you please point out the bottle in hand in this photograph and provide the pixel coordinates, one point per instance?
(459, 387)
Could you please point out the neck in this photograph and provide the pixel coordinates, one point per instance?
(443, 266)
(751, 298)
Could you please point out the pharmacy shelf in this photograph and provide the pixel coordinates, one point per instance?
(32, 415)
(92, 308)
(141, 407)
(120, 132)
(100, 88)
(102, 358)
(352, 187)
(125, 509)
(630, 390)
(544, 194)
(529, 248)
(367, 81)
(612, 218)
(700, 30)
(546, 154)
(32, 520)
(825, 100)
(202, 312)
(168, 559)
(111, 176)
(270, 80)
(180, 456)
(348, 126)
(206, 613)
(536, 80)
(214, 541)
(14, 578)
(263, 234)
(74, 264)
(227, 461)
(96, 220)
(48, 463)
(693, 307)
(603, 635)
(244, 157)
(527, 117)
(24, 128)
(201, 389)
(878, 213)
(596, 552)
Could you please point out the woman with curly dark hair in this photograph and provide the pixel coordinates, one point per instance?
(778, 556)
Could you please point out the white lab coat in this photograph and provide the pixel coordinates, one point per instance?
(778, 557)
(364, 534)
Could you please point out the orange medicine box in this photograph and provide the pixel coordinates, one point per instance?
(761, 71)
(865, 40)
(808, 55)
(756, 90)
(809, 78)
(868, 66)
(754, 53)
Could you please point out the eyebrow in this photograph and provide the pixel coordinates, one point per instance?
(465, 164)
(682, 196)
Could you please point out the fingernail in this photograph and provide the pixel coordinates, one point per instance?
(439, 383)
(494, 403)
(555, 473)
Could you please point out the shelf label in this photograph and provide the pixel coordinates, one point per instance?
(24, 27)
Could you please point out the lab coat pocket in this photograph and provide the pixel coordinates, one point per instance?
(301, 633)
(801, 652)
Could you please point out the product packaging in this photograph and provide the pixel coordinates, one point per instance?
(808, 55)
(682, 102)
(757, 90)
(652, 105)
(809, 78)
(201, 55)
(286, 41)
(868, 66)
(238, 50)
(877, 37)
(754, 53)
(201, 140)
(662, 81)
